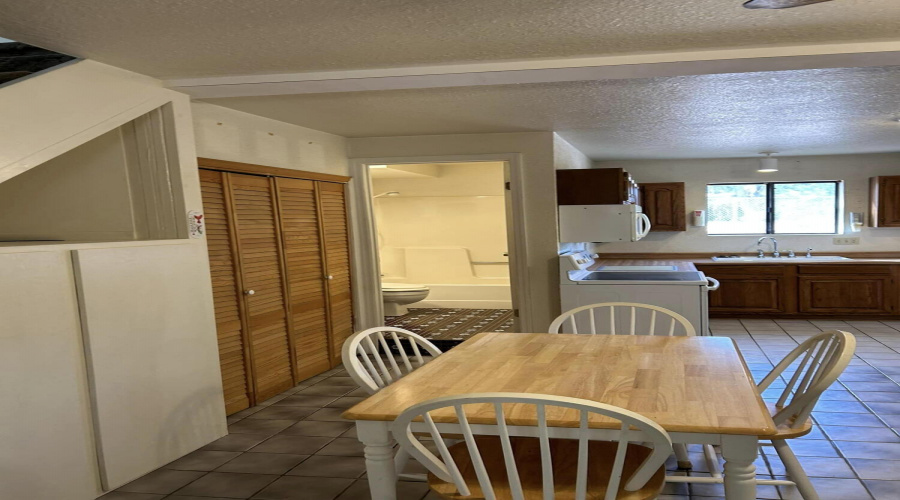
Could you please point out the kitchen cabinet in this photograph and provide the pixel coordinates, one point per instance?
(663, 202)
(280, 265)
(596, 186)
(884, 201)
(752, 289)
(865, 290)
(856, 289)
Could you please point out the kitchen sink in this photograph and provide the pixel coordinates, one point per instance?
(769, 258)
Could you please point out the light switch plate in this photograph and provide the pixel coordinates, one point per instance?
(849, 240)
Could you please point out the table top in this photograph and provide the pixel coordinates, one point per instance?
(685, 384)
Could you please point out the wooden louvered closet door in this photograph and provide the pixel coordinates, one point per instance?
(305, 275)
(234, 353)
(337, 264)
(260, 259)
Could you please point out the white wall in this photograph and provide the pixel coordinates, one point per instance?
(855, 170)
(40, 119)
(81, 195)
(566, 157)
(226, 134)
(461, 211)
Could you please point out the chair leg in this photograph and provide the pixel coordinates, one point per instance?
(795, 470)
(681, 453)
(400, 459)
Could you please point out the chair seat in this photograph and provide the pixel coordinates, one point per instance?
(564, 453)
(785, 431)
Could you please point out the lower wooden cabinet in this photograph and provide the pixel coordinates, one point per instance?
(809, 290)
(751, 289)
(843, 289)
(845, 294)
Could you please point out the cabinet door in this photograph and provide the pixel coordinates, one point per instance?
(751, 289)
(259, 250)
(846, 294)
(889, 201)
(664, 204)
(305, 271)
(337, 264)
(234, 349)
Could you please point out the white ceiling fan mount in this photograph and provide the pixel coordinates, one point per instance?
(779, 4)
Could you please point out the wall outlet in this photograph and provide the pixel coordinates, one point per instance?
(849, 240)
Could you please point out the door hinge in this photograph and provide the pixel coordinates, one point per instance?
(508, 186)
(516, 313)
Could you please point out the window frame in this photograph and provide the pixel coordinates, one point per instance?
(770, 205)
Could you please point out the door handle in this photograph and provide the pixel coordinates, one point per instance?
(249, 292)
(329, 277)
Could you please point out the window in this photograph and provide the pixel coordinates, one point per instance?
(773, 208)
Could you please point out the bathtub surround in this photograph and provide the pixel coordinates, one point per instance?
(854, 170)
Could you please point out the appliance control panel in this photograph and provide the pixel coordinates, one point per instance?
(575, 261)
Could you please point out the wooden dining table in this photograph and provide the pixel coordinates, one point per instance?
(697, 388)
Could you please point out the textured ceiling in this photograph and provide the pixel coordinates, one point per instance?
(804, 112)
(182, 38)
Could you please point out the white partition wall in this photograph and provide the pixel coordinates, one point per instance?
(46, 439)
(153, 374)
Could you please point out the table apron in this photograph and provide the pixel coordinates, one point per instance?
(572, 433)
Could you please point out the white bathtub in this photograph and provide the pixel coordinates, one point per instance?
(452, 277)
(467, 296)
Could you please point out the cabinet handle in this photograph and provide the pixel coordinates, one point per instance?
(249, 292)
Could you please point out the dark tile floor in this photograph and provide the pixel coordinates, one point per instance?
(295, 446)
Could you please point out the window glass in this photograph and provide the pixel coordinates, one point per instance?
(736, 208)
(773, 208)
(807, 207)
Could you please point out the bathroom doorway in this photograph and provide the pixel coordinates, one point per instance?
(442, 233)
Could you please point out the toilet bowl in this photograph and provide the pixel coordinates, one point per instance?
(398, 295)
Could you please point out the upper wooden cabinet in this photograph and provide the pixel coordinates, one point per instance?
(596, 186)
(884, 201)
(663, 202)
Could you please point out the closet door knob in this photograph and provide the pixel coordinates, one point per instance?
(249, 292)
(329, 277)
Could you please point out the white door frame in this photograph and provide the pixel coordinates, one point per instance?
(368, 307)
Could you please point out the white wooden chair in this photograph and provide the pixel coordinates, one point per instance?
(612, 314)
(499, 459)
(822, 359)
(364, 362)
(641, 318)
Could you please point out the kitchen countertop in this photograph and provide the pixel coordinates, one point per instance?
(687, 262)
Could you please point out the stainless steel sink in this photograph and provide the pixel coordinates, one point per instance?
(769, 258)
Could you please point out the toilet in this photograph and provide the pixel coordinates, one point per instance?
(398, 295)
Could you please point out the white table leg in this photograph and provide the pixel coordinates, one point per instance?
(379, 451)
(739, 453)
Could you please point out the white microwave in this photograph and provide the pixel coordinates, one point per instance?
(602, 223)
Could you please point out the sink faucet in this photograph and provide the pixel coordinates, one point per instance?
(775, 252)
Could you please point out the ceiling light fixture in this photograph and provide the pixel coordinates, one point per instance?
(779, 4)
(768, 164)
(377, 166)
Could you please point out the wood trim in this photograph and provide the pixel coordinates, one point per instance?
(285, 286)
(239, 280)
(250, 168)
